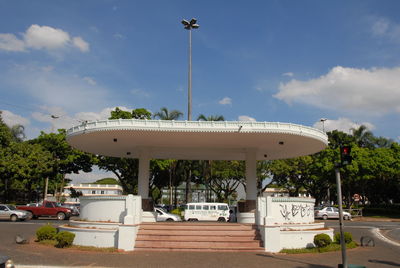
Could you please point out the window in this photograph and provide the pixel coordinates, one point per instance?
(49, 205)
(198, 207)
(205, 207)
(191, 207)
(213, 207)
(222, 207)
(93, 192)
(3, 208)
(102, 192)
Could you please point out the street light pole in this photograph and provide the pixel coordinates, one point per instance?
(189, 25)
(323, 123)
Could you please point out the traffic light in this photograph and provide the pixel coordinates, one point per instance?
(345, 157)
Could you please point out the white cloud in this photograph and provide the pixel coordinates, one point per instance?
(10, 42)
(246, 118)
(375, 91)
(45, 37)
(384, 28)
(53, 88)
(11, 119)
(42, 37)
(290, 74)
(119, 36)
(341, 124)
(225, 101)
(80, 43)
(140, 93)
(90, 80)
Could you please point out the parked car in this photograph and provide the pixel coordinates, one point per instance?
(48, 208)
(162, 215)
(330, 213)
(6, 262)
(73, 207)
(10, 212)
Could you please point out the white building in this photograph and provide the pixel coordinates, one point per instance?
(89, 189)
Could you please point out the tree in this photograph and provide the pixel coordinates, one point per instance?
(363, 137)
(66, 159)
(202, 117)
(18, 133)
(5, 134)
(165, 114)
(139, 113)
(225, 178)
(22, 167)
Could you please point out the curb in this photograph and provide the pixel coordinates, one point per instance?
(378, 233)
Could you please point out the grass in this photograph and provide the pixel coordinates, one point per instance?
(48, 242)
(53, 243)
(90, 248)
(329, 248)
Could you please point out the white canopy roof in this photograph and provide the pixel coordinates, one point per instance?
(196, 140)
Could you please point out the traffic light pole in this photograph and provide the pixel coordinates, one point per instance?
(339, 193)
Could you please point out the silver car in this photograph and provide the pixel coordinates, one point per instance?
(10, 212)
(162, 215)
(330, 213)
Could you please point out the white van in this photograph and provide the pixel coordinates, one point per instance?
(206, 212)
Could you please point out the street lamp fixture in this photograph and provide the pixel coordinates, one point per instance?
(189, 25)
(323, 123)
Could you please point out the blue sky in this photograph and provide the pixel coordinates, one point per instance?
(286, 61)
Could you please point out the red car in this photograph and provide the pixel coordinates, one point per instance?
(48, 208)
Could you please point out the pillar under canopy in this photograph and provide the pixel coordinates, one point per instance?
(251, 175)
(144, 175)
(144, 179)
(251, 183)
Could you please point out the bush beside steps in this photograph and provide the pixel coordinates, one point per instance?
(324, 243)
(49, 234)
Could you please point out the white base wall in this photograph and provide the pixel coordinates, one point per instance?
(93, 237)
(246, 217)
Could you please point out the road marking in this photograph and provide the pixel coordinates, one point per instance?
(378, 233)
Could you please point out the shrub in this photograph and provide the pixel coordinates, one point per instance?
(347, 237)
(176, 211)
(46, 232)
(64, 239)
(322, 240)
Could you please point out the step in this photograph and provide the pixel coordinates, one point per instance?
(198, 236)
(229, 249)
(196, 226)
(199, 232)
(197, 244)
(151, 237)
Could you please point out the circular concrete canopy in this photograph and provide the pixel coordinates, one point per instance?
(196, 140)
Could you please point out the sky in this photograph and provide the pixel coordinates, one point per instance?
(285, 61)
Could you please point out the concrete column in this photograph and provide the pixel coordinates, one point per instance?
(251, 175)
(144, 174)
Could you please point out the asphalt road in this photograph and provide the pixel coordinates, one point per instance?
(383, 254)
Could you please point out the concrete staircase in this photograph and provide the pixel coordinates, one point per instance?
(198, 236)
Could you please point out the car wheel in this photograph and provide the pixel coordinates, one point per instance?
(30, 215)
(221, 219)
(13, 218)
(169, 219)
(60, 216)
(324, 217)
(346, 217)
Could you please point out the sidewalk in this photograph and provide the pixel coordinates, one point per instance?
(34, 255)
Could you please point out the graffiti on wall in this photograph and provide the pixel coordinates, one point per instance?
(293, 211)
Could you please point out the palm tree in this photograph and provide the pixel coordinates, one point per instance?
(363, 137)
(202, 117)
(164, 114)
(18, 133)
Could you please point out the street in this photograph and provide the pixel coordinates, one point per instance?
(384, 254)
